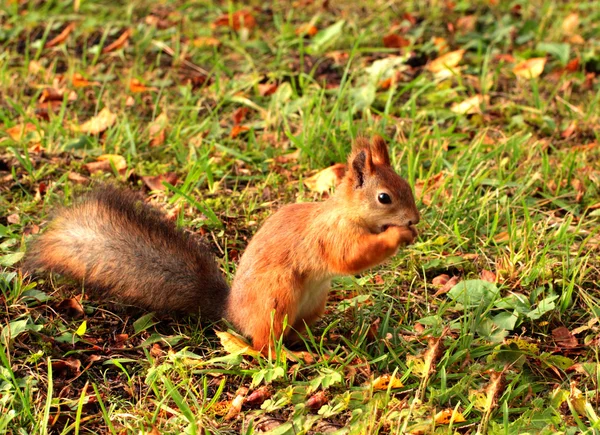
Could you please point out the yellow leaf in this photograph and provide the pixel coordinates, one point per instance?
(570, 24)
(22, 131)
(235, 344)
(447, 61)
(470, 105)
(118, 161)
(448, 416)
(206, 41)
(386, 381)
(98, 123)
(324, 180)
(530, 68)
(82, 328)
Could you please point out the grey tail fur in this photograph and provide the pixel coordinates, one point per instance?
(127, 250)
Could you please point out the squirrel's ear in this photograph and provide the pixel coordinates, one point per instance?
(360, 163)
(379, 151)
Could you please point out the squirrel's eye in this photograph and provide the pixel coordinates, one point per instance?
(384, 198)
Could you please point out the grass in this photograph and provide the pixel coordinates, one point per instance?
(508, 194)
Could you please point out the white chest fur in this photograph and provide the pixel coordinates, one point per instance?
(314, 296)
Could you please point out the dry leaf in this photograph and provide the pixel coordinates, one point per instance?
(61, 37)
(77, 178)
(470, 105)
(306, 30)
(447, 61)
(79, 82)
(530, 68)
(324, 180)
(440, 279)
(448, 416)
(236, 404)
(447, 286)
(20, 131)
(136, 86)
(98, 123)
(206, 41)
(71, 307)
(316, 401)
(570, 23)
(257, 397)
(394, 40)
(441, 44)
(267, 89)
(156, 182)
(568, 132)
(239, 115)
(106, 162)
(157, 130)
(467, 23)
(488, 275)
(564, 338)
(386, 381)
(13, 218)
(502, 237)
(579, 188)
(237, 130)
(118, 43)
(235, 344)
(237, 20)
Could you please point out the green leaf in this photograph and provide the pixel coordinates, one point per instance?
(543, 307)
(10, 259)
(143, 323)
(506, 320)
(326, 38)
(474, 292)
(560, 51)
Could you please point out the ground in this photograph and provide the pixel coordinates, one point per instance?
(219, 113)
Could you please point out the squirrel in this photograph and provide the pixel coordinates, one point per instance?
(117, 244)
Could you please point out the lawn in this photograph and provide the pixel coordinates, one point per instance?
(221, 112)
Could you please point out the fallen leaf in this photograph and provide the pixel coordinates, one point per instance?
(393, 40)
(20, 131)
(306, 30)
(447, 416)
(71, 307)
(488, 275)
(239, 115)
(504, 57)
(316, 401)
(502, 237)
(324, 180)
(63, 367)
(530, 68)
(156, 182)
(235, 344)
(467, 23)
(447, 61)
(77, 178)
(237, 130)
(573, 65)
(98, 123)
(13, 218)
(257, 397)
(158, 130)
(289, 157)
(267, 89)
(34, 67)
(106, 162)
(577, 40)
(119, 42)
(121, 338)
(440, 279)
(80, 82)
(564, 338)
(579, 188)
(449, 285)
(136, 86)
(206, 41)
(236, 404)
(237, 20)
(568, 132)
(471, 105)
(386, 381)
(441, 44)
(61, 37)
(570, 23)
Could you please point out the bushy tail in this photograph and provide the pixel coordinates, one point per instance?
(115, 243)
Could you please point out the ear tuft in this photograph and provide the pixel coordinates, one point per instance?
(379, 151)
(359, 166)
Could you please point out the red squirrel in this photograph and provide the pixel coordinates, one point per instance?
(116, 243)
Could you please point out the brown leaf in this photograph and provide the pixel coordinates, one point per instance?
(502, 237)
(564, 338)
(568, 132)
(61, 37)
(98, 123)
(239, 115)
(79, 81)
(441, 44)
(106, 162)
(488, 275)
(206, 41)
(13, 218)
(306, 30)
(466, 24)
(530, 68)
(324, 180)
(316, 401)
(136, 86)
(579, 188)
(393, 40)
(236, 404)
(156, 183)
(570, 23)
(63, 367)
(267, 89)
(440, 279)
(71, 307)
(121, 338)
(257, 397)
(447, 286)
(573, 65)
(158, 130)
(237, 130)
(119, 42)
(77, 178)
(237, 20)
(20, 131)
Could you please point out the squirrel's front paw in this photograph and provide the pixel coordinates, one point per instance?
(399, 236)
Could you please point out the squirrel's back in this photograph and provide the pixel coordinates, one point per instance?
(117, 244)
